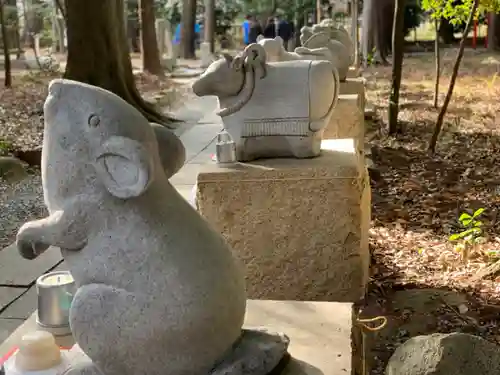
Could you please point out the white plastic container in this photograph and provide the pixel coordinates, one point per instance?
(38, 354)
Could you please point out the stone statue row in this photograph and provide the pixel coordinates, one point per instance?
(159, 291)
(276, 103)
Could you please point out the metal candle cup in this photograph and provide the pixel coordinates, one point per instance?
(55, 294)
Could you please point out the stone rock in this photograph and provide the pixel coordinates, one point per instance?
(445, 354)
(169, 63)
(206, 55)
(264, 106)
(11, 169)
(300, 226)
(257, 352)
(158, 289)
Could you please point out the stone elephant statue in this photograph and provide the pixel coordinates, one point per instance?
(340, 54)
(276, 109)
(276, 52)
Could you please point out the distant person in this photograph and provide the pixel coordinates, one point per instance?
(255, 30)
(246, 26)
(270, 29)
(177, 34)
(284, 30)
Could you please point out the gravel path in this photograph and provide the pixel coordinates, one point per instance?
(19, 203)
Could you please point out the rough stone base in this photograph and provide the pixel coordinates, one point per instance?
(354, 86)
(353, 72)
(347, 120)
(258, 352)
(205, 54)
(320, 334)
(300, 226)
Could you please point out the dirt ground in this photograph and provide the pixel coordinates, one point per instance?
(419, 280)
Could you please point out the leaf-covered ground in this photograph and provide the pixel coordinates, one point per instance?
(21, 129)
(21, 107)
(417, 199)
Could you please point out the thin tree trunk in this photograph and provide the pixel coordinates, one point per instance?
(398, 38)
(355, 31)
(6, 51)
(454, 74)
(209, 36)
(60, 7)
(150, 55)
(98, 53)
(12, 19)
(437, 56)
(187, 29)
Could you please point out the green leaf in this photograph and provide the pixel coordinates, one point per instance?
(478, 212)
(464, 216)
(466, 222)
(478, 223)
(469, 232)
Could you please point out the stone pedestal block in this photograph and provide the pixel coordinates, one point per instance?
(161, 27)
(300, 226)
(354, 86)
(205, 55)
(353, 72)
(347, 120)
(320, 335)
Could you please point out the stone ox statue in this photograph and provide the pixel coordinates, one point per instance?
(158, 290)
(272, 109)
(334, 52)
(339, 51)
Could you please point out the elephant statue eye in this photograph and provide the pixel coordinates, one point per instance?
(94, 121)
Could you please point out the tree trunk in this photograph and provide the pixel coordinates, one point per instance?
(446, 31)
(437, 56)
(494, 32)
(355, 30)
(12, 17)
(6, 51)
(98, 52)
(398, 39)
(368, 27)
(377, 21)
(150, 55)
(454, 74)
(209, 36)
(187, 29)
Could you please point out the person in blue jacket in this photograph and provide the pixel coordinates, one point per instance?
(246, 29)
(177, 34)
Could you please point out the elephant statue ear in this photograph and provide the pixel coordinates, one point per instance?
(278, 39)
(124, 166)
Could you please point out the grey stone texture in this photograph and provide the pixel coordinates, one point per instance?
(445, 354)
(262, 107)
(300, 226)
(158, 287)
